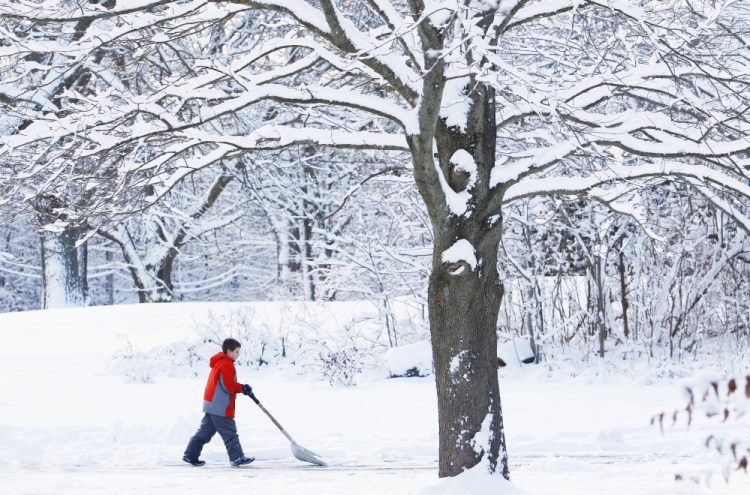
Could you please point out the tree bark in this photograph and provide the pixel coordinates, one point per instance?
(163, 290)
(623, 294)
(463, 300)
(110, 280)
(463, 313)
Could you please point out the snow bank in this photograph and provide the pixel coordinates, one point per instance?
(475, 481)
(144, 343)
(410, 360)
(514, 352)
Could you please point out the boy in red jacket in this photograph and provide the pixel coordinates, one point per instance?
(218, 406)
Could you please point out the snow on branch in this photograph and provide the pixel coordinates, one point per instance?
(504, 173)
(665, 144)
(103, 31)
(335, 27)
(189, 159)
(721, 203)
(269, 47)
(305, 13)
(306, 95)
(164, 182)
(617, 181)
(614, 173)
(277, 136)
(401, 30)
(81, 11)
(571, 103)
(166, 121)
(540, 10)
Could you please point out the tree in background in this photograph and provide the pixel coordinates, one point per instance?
(151, 243)
(20, 278)
(49, 193)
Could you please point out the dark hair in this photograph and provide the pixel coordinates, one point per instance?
(229, 345)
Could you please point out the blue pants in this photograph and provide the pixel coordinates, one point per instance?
(210, 424)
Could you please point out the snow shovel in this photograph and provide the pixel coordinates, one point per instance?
(299, 451)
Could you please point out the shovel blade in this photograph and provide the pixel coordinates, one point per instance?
(303, 454)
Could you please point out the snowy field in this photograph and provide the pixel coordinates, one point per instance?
(73, 421)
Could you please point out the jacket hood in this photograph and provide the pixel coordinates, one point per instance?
(216, 359)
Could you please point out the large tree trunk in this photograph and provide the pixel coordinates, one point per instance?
(463, 312)
(464, 291)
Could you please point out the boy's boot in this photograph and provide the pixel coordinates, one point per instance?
(242, 460)
(194, 462)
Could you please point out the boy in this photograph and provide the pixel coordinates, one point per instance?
(218, 406)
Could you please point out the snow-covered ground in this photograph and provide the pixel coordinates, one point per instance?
(73, 420)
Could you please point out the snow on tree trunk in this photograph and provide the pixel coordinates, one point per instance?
(155, 295)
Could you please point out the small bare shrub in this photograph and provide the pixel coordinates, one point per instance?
(343, 365)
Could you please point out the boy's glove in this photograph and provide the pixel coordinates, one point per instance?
(247, 389)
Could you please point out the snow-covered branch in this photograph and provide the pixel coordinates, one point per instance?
(616, 180)
(330, 24)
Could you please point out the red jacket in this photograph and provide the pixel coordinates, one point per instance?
(222, 387)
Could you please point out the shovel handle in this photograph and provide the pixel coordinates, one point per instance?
(278, 425)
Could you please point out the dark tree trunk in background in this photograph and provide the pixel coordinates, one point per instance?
(161, 288)
(623, 294)
(110, 280)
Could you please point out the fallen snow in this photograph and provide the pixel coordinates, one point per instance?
(71, 423)
(513, 352)
(472, 482)
(416, 356)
